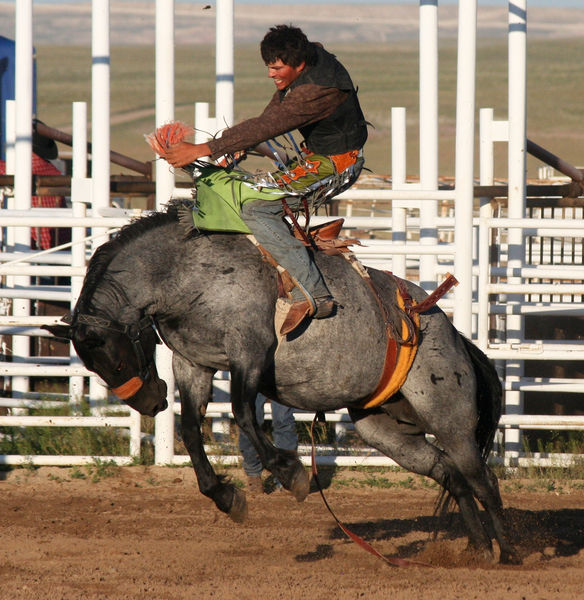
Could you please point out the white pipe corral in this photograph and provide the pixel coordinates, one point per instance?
(224, 66)
(23, 163)
(81, 190)
(465, 119)
(517, 102)
(398, 182)
(100, 110)
(164, 421)
(428, 133)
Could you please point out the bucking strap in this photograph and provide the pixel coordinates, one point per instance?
(400, 354)
(398, 357)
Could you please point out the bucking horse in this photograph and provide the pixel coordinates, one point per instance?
(211, 297)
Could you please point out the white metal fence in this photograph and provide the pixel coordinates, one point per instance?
(427, 232)
(492, 291)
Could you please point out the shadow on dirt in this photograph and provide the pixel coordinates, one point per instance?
(552, 533)
(325, 477)
(4, 472)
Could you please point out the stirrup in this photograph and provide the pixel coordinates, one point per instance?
(324, 307)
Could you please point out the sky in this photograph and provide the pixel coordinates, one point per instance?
(544, 3)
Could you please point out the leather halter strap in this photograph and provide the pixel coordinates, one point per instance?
(134, 333)
(128, 389)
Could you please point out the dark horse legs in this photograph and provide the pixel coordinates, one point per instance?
(195, 386)
(464, 475)
(284, 464)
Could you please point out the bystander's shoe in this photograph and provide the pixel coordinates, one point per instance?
(272, 485)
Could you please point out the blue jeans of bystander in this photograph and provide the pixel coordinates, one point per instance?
(284, 432)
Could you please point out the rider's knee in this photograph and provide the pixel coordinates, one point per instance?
(260, 209)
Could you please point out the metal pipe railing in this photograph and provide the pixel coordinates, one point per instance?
(554, 161)
(145, 168)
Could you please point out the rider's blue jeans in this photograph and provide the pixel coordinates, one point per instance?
(265, 218)
(284, 433)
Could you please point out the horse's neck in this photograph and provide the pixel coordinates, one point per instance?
(126, 285)
(161, 273)
(114, 301)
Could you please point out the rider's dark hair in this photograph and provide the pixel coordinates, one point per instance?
(289, 44)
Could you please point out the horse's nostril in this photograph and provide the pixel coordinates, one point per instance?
(158, 408)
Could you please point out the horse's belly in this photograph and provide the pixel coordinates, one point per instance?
(319, 374)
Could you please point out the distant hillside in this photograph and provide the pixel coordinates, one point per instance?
(132, 23)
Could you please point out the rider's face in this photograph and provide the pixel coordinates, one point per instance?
(282, 74)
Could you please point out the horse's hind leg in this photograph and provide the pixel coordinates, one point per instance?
(483, 483)
(195, 387)
(406, 444)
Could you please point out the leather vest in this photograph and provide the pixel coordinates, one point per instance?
(346, 128)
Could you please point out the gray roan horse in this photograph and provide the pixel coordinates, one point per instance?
(212, 298)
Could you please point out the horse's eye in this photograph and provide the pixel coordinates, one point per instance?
(120, 367)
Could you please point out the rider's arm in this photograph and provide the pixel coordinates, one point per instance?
(185, 153)
(301, 106)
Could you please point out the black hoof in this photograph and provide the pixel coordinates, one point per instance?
(300, 485)
(238, 510)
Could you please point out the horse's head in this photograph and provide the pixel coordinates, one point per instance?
(122, 355)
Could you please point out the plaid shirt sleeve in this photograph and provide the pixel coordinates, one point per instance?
(301, 106)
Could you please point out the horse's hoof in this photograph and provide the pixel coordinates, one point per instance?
(300, 485)
(238, 510)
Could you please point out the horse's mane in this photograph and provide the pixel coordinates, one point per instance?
(105, 253)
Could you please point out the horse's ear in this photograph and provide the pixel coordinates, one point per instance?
(64, 332)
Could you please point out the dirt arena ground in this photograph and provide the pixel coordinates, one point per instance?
(148, 533)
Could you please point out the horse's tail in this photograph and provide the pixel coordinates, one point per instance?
(489, 395)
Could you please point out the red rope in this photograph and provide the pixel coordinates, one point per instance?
(392, 561)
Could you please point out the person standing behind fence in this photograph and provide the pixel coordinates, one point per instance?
(285, 438)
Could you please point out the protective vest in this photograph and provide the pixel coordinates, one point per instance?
(346, 128)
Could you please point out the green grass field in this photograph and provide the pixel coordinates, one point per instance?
(386, 74)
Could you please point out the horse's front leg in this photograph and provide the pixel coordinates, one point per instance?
(195, 385)
(283, 464)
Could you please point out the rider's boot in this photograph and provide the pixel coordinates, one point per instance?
(305, 304)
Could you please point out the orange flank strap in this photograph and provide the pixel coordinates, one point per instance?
(400, 355)
(398, 360)
(128, 389)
